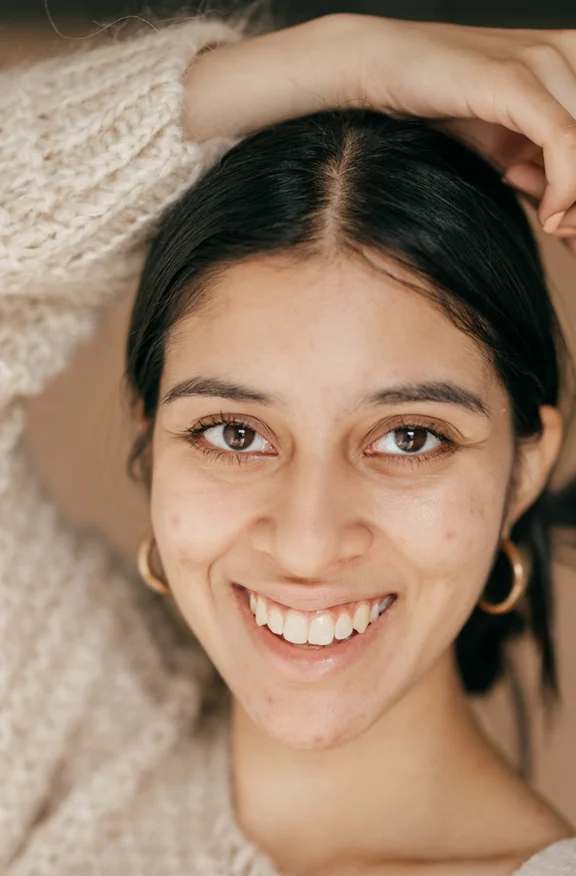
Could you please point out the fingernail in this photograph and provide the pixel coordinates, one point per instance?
(552, 223)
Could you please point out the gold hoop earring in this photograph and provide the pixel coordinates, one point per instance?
(518, 583)
(144, 565)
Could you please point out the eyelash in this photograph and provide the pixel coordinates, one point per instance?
(194, 436)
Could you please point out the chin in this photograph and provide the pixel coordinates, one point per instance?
(313, 721)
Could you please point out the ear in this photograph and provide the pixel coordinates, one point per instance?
(535, 462)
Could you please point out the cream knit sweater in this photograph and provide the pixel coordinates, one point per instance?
(108, 764)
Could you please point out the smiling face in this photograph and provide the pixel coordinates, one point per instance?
(370, 453)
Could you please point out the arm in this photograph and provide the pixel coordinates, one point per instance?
(509, 93)
(91, 151)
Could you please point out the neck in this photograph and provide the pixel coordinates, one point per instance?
(397, 792)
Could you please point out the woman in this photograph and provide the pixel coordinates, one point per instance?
(117, 752)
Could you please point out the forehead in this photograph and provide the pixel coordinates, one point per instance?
(337, 320)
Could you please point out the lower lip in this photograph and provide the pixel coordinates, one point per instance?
(308, 664)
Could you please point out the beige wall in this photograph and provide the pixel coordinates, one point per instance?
(80, 433)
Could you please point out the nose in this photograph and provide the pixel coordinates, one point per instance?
(314, 524)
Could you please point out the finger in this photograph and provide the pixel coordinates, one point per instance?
(537, 157)
(564, 41)
(529, 179)
(497, 144)
(531, 109)
(555, 72)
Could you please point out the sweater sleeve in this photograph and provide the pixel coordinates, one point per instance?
(559, 859)
(91, 152)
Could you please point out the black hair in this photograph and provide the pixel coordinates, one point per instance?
(359, 179)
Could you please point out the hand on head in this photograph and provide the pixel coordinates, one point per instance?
(509, 92)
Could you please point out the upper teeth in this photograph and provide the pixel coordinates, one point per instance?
(320, 628)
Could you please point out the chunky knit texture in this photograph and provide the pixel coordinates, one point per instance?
(114, 745)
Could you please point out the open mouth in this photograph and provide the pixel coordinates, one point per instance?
(316, 630)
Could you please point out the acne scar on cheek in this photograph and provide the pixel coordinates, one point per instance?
(450, 535)
(477, 508)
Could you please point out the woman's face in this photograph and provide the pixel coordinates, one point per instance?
(371, 458)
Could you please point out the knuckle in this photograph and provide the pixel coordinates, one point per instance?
(541, 54)
(565, 38)
(566, 137)
(513, 70)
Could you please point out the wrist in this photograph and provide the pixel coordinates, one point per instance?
(234, 89)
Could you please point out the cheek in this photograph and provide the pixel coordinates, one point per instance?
(445, 533)
(195, 518)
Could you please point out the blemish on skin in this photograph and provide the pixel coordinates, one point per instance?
(175, 520)
(450, 535)
(477, 508)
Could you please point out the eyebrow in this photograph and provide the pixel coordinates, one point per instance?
(213, 387)
(435, 391)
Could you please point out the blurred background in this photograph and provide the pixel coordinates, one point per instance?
(80, 429)
(519, 13)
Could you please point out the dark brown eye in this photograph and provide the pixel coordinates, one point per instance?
(411, 440)
(233, 436)
(408, 440)
(238, 437)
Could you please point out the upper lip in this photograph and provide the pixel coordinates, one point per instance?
(317, 597)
